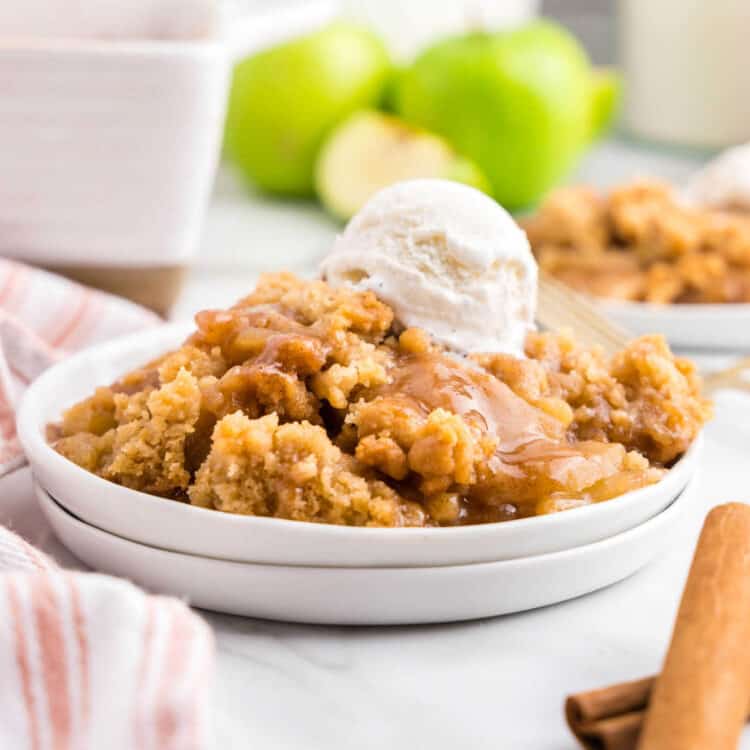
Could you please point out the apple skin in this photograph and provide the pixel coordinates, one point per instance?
(284, 102)
(516, 102)
(606, 93)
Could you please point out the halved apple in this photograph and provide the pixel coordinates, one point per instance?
(371, 150)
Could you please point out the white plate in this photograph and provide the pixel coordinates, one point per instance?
(688, 326)
(368, 596)
(184, 528)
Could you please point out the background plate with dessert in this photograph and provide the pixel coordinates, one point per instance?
(658, 258)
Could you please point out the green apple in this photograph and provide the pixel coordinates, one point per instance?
(284, 101)
(606, 91)
(372, 150)
(519, 103)
(390, 93)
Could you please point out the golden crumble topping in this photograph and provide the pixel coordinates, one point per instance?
(640, 243)
(303, 402)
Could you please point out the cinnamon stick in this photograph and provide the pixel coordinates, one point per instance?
(700, 699)
(609, 718)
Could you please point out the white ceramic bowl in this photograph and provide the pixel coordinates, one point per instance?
(369, 596)
(108, 149)
(184, 528)
(111, 122)
(687, 326)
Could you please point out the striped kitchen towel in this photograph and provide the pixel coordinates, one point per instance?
(87, 662)
(43, 317)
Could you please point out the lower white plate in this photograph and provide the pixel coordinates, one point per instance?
(368, 596)
(687, 326)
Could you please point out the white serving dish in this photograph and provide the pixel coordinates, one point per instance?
(184, 528)
(369, 596)
(109, 148)
(111, 123)
(687, 326)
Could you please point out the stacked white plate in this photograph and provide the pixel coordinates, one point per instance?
(289, 570)
(703, 326)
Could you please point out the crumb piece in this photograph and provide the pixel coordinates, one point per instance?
(260, 467)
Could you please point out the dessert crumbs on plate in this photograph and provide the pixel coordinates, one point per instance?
(642, 243)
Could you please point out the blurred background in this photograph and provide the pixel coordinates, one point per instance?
(327, 102)
(592, 21)
(618, 149)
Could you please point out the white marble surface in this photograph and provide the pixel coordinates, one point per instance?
(491, 684)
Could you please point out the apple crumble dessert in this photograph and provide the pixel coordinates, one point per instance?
(641, 243)
(307, 402)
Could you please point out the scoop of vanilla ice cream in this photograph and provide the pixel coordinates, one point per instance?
(446, 258)
(723, 183)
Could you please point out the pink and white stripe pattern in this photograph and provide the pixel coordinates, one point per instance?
(43, 317)
(90, 662)
(87, 662)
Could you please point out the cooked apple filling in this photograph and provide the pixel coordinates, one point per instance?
(306, 402)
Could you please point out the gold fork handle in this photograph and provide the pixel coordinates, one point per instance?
(731, 377)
